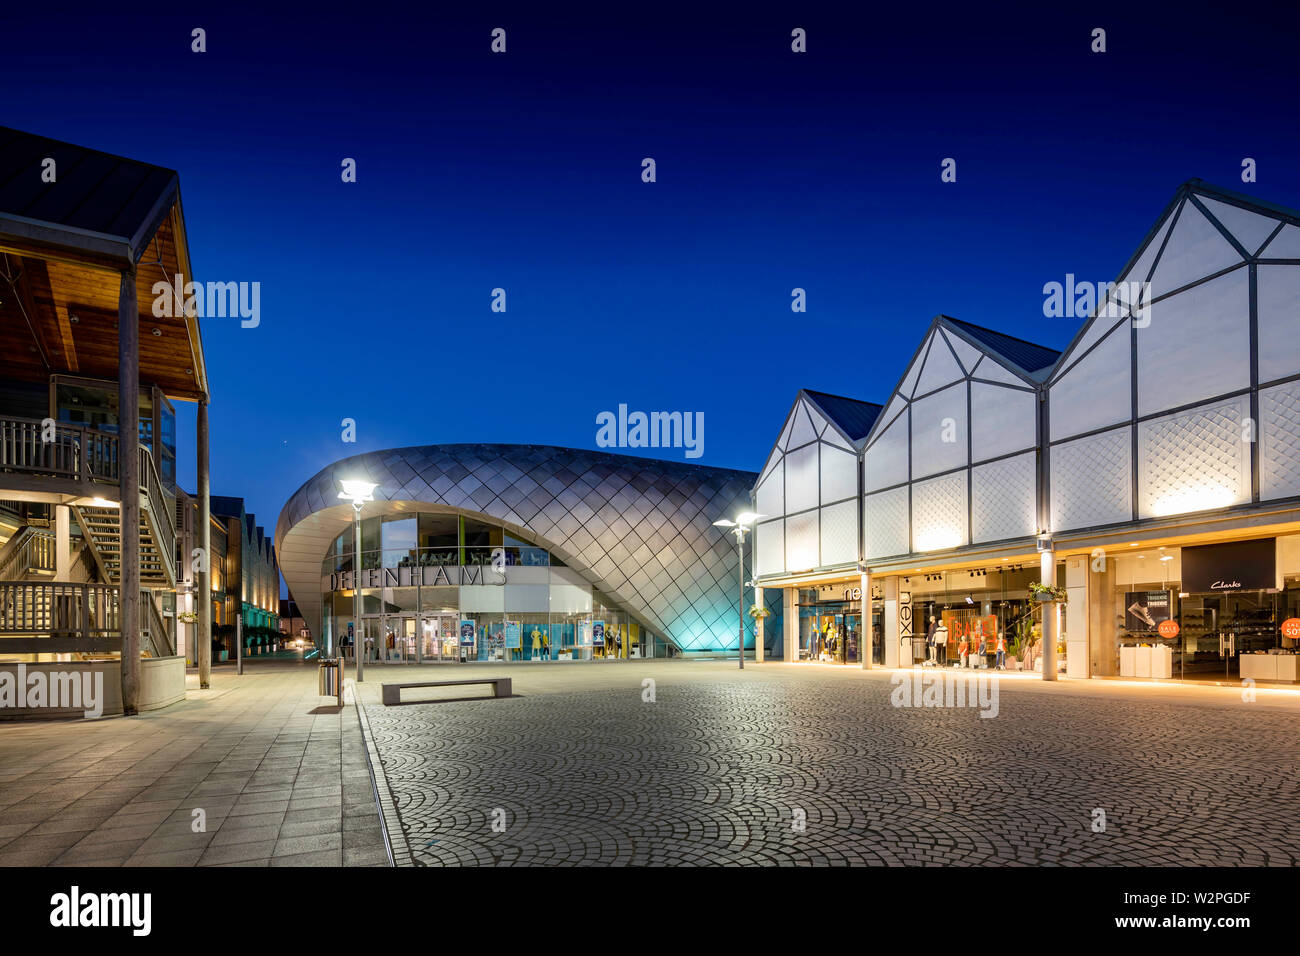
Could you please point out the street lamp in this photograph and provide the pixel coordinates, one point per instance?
(738, 528)
(358, 492)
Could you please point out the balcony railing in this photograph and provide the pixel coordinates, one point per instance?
(56, 617)
(59, 617)
(84, 454)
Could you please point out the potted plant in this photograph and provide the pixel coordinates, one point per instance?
(1022, 643)
(188, 617)
(758, 612)
(1047, 593)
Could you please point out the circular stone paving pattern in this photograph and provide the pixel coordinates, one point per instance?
(800, 773)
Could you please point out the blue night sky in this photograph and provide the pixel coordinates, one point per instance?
(522, 171)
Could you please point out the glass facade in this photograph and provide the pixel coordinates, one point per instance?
(448, 587)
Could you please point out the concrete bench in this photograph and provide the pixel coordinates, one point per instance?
(393, 692)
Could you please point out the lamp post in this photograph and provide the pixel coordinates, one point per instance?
(358, 492)
(738, 528)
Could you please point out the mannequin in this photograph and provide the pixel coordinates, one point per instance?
(941, 645)
(546, 646)
(929, 640)
(537, 643)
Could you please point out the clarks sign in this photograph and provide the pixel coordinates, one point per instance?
(1235, 566)
(431, 577)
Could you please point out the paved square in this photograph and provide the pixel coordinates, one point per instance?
(719, 767)
(280, 773)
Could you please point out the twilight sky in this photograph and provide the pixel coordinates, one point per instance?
(522, 171)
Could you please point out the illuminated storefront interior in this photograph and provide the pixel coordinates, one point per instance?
(1055, 499)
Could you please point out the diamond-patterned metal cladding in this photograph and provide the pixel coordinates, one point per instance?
(640, 530)
(1279, 451)
(1091, 483)
(1185, 454)
(1002, 499)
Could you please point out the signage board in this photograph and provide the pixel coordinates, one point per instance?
(1144, 611)
(1229, 567)
(971, 625)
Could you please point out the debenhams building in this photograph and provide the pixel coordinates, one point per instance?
(1129, 507)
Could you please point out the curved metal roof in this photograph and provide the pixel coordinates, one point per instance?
(640, 530)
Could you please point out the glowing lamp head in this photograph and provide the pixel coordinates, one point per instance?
(356, 491)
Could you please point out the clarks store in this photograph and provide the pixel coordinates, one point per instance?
(1215, 612)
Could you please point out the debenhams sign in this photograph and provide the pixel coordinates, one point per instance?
(430, 577)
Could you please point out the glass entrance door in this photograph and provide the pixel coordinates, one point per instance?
(399, 639)
(878, 633)
(373, 642)
(850, 650)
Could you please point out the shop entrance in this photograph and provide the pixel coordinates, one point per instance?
(411, 639)
(392, 638)
(440, 637)
(878, 634)
(1218, 629)
(830, 631)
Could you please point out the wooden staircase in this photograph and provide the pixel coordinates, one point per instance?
(101, 526)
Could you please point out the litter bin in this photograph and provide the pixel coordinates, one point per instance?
(331, 684)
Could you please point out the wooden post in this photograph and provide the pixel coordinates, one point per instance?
(203, 580)
(128, 430)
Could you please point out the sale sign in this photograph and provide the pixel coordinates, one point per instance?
(1168, 628)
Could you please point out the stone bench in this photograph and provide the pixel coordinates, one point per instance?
(392, 693)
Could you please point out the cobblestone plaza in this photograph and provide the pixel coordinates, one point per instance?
(722, 765)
